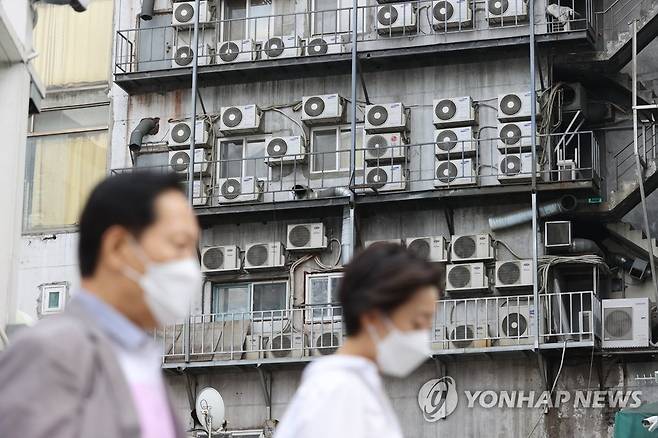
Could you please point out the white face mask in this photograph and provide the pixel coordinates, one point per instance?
(168, 286)
(401, 352)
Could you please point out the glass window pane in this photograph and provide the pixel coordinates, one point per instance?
(346, 15)
(269, 296)
(235, 12)
(324, 150)
(60, 170)
(346, 147)
(325, 17)
(318, 295)
(230, 155)
(262, 28)
(255, 159)
(231, 299)
(333, 295)
(91, 117)
(53, 300)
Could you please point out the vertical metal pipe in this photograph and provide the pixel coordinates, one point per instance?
(533, 143)
(355, 34)
(195, 64)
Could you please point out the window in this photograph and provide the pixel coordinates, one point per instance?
(66, 156)
(268, 297)
(53, 298)
(335, 16)
(323, 290)
(236, 160)
(242, 19)
(331, 148)
(230, 158)
(265, 298)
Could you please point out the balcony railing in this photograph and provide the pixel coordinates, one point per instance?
(460, 325)
(378, 26)
(613, 22)
(624, 159)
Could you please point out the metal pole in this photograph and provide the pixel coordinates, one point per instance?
(195, 64)
(533, 189)
(355, 34)
(640, 172)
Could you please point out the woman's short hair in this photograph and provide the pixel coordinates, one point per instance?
(383, 277)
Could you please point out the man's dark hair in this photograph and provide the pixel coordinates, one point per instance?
(383, 277)
(126, 200)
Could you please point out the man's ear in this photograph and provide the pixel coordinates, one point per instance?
(114, 246)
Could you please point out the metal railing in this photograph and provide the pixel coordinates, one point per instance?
(624, 159)
(613, 22)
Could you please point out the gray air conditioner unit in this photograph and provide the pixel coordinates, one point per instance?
(179, 161)
(386, 178)
(471, 247)
(180, 134)
(516, 319)
(454, 111)
(184, 13)
(306, 237)
(240, 119)
(506, 12)
(516, 137)
(396, 18)
(466, 277)
(229, 52)
(574, 99)
(325, 45)
(385, 148)
(434, 249)
(626, 323)
(326, 343)
(183, 54)
(456, 172)
(513, 107)
(455, 142)
(513, 274)
(451, 14)
(220, 258)
(264, 256)
(323, 109)
(469, 335)
(282, 47)
(284, 150)
(515, 168)
(294, 345)
(238, 190)
(557, 234)
(388, 117)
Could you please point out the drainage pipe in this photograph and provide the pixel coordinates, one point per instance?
(146, 126)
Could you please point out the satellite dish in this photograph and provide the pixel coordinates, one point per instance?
(210, 410)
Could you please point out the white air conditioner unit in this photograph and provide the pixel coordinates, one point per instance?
(240, 119)
(325, 45)
(229, 52)
(557, 234)
(513, 274)
(516, 137)
(284, 149)
(184, 55)
(396, 18)
(325, 342)
(471, 247)
(306, 237)
(385, 148)
(387, 117)
(180, 134)
(254, 347)
(454, 111)
(264, 255)
(220, 258)
(515, 168)
(517, 322)
(566, 170)
(513, 107)
(323, 109)
(455, 142)
(455, 172)
(282, 345)
(179, 161)
(450, 14)
(183, 13)
(506, 12)
(237, 190)
(469, 335)
(434, 249)
(386, 178)
(466, 277)
(282, 47)
(626, 323)
(200, 192)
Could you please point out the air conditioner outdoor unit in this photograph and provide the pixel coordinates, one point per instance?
(240, 119)
(626, 323)
(469, 335)
(466, 277)
(284, 149)
(516, 137)
(325, 45)
(386, 178)
(282, 345)
(574, 99)
(396, 18)
(557, 234)
(566, 170)
(179, 161)
(237, 190)
(326, 343)
(183, 13)
(323, 109)
(455, 142)
(200, 192)
(454, 111)
(236, 51)
(515, 168)
(184, 55)
(434, 249)
(220, 258)
(306, 237)
(514, 107)
(517, 322)
(450, 14)
(384, 148)
(287, 46)
(506, 12)
(180, 134)
(264, 255)
(455, 172)
(513, 274)
(254, 347)
(387, 117)
(464, 248)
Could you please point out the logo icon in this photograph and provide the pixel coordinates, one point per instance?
(437, 398)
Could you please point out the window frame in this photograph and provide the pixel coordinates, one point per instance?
(338, 130)
(340, 11)
(243, 159)
(249, 286)
(331, 277)
(247, 19)
(46, 290)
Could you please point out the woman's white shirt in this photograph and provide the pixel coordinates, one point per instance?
(340, 396)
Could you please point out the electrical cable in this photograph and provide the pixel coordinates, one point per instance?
(303, 132)
(506, 246)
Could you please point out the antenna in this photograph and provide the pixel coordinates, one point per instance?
(210, 410)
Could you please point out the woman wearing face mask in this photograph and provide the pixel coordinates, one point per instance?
(388, 296)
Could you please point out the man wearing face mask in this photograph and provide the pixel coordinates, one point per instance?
(94, 370)
(388, 296)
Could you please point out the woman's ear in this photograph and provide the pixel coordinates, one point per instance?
(374, 319)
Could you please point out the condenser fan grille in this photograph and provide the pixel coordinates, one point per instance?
(464, 247)
(510, 134)
(377, 146)
(274, 47)
(462, 336)
(459, 277)
(445, 109)
(231, 189)
(327, 343)
(281, 346)
(443, 11)
(299, 236)
(377, 178)
(619, 323)
(314, 106)
(232, 117)
(511, 165)
(180, 133)
(213, 258)
(510, 104)
(184, 12)
(446, 172)
(377, 115)
(257, 255)
(514, 325)
(180, 161)
(318, 46)
(387, 15)
(498, 7)
(509, 273)
(183, 55)
(446, 140)
(420, 247)
(277, 148)
(229, 51)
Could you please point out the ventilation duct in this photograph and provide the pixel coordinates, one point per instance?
(565, 204)
(147, 10)
(149, 126)
(304, 192)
